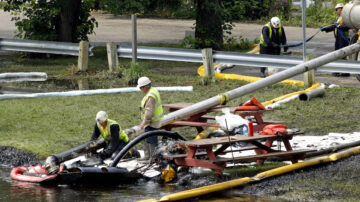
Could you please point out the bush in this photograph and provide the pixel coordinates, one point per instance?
(133, 73)
(188, 42)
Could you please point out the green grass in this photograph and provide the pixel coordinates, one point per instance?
(51, 125)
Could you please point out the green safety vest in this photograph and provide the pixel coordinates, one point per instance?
(158, 111)
(340, 22)
(262, 41)
(106, 132)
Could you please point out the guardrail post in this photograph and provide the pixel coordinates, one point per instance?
(207, 58)
(83, 56)
(134, 38)
(112, 56)
(309, 76)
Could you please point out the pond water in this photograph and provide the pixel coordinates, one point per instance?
(15, 191)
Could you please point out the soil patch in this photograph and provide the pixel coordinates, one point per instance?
(12, 157)
(332, 181)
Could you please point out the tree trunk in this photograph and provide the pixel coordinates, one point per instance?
(208, 29)
(68, 22)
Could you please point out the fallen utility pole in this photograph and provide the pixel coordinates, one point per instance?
(249, 88)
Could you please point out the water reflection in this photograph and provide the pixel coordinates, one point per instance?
(40, 86)
(83, 84)
(16, 191)
(21, 191)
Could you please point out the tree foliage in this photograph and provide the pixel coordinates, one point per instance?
(52, 20)
(120, 7)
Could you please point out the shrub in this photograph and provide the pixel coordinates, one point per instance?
(133, 73)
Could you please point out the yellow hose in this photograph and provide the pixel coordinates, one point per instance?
(201, 72)
(313, 87)
(270, 173)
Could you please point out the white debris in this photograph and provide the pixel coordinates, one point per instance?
(334, 86)
(218, 68)
(306, 142)
(277, 104)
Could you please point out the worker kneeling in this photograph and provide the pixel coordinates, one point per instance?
(115, 138)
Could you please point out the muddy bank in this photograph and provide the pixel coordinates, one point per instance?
(12, 157)
(333, 181)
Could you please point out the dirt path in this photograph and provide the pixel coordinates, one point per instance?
(118, 29)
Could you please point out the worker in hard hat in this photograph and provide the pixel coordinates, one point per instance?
(151, 113)
(110, 130)
(341, 33)
(272, 37)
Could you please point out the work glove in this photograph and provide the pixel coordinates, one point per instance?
(103, 154)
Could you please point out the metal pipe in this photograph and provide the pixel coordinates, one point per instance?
(249, 88)
(134, 38)
(318, 92)
(51, 163)
(222, 57)
(303, 10)
(90, 92)
(351, 14)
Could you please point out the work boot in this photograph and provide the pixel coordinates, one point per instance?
(262, 70)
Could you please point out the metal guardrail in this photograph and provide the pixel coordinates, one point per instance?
(256, 60)
(155, 53)
(34, 46)
(251, 60)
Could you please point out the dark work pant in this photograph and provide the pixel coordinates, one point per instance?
(151, 140)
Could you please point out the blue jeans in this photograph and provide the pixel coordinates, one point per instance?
(151, 140)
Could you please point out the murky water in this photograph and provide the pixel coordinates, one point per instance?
(15, 191)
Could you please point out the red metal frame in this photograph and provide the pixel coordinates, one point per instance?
(200, 120)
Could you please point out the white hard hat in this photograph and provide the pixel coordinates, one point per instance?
(275, 21)
(101, 116)
(143, 81)
(339, 5)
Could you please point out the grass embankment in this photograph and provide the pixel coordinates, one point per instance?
(51, 125)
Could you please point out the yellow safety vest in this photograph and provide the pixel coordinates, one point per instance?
(340, 22)
(106, 132)
(158, 111)
(262, 41)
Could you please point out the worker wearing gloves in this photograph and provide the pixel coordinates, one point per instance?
(151, 113)
(341, 33)
(110, 130)
(271, 39)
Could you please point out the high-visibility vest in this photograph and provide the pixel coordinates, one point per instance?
(340, 22)
(158, 111)
(262, 41)
(106, 132)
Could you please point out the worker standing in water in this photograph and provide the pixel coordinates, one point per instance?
(110, 130)
(151, 113)
(272, 37)
(341, 33)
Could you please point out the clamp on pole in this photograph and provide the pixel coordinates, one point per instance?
(223, 98)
